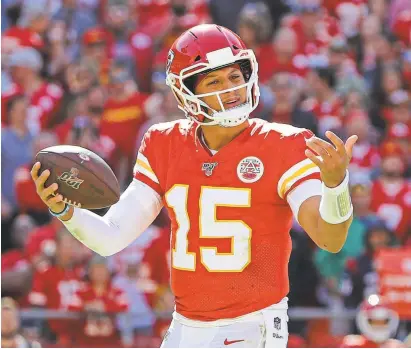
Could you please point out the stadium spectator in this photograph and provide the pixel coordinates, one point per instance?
(16, 269)
(55, 285)
(286, 108)
(391, 192)
(123, 113)
(10, 327)
(26, 196)
(16, 150)
(323, 101)
(360, 277)
(100, 302)
(366, 157)
(44, 97)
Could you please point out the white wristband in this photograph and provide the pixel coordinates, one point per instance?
(335, 205)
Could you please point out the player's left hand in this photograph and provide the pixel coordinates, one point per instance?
(335, 157)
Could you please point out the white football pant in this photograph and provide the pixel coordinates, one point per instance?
(266, 328)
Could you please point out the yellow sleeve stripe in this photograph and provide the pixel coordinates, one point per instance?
(143, 166)
(295, 173)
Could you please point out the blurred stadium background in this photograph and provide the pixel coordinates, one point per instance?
(91, 73)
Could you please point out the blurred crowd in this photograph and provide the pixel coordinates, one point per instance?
(92, 73)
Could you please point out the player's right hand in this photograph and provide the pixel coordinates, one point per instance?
(48, 195)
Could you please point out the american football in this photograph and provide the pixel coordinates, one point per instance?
(85, 180)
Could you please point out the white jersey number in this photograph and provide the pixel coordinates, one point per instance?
(236, 230)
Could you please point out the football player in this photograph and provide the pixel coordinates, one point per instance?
(231, 187)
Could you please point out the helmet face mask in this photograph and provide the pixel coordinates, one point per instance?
(219, 56)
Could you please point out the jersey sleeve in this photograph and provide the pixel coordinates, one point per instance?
(297, 168)
(147, 164)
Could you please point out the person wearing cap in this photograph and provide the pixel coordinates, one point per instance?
(100, 302)
(391, 192)
(25, 65)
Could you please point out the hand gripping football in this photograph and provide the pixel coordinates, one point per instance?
(85, 180)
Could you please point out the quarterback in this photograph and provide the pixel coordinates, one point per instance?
(231, 186)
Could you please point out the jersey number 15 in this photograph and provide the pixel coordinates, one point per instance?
(209, 227)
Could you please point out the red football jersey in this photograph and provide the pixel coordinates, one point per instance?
(121, 121)
(230, 220)
(99, 331)
(53, 288)
(393, 205)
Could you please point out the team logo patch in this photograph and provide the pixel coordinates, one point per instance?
(208, 168)
(71, 178)
(277, 323)
(250, 169)
(170, 58)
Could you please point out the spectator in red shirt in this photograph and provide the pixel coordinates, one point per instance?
(284, 56)
(400, 134)
(55, 285)
(27, 198)
(313, 26)
(100, 302)
(324, 103)
(44, 98)
(33, 23)
(365, 157)
(123, 113)
(391, 192)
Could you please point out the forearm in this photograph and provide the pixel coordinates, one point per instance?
(331, 237)
(327, 217)
(123, 223)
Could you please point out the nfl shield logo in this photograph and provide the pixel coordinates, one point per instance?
(277, 323)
